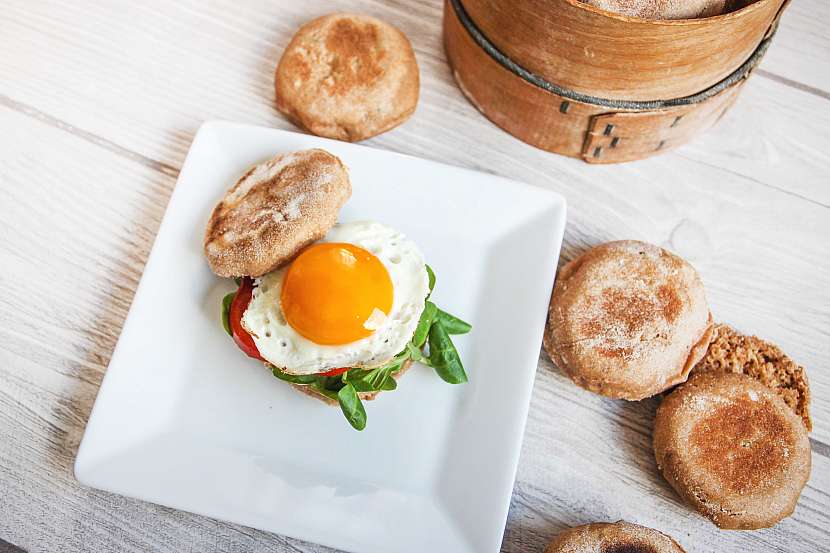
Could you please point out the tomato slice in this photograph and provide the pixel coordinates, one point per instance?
(241, 336)
(238, 306)
(335, 372)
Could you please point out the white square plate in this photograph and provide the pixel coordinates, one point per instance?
(185, 420)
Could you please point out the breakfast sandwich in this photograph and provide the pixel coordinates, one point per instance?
(339, 311)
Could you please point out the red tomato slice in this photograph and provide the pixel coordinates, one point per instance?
(241, 336)
(335, 372)
(238, 306)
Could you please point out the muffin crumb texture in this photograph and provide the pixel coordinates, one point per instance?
(733, 352)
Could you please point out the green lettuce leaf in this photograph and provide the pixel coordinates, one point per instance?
(226, 312)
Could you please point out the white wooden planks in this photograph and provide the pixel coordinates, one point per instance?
(98, 104)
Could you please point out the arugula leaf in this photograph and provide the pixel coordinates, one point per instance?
(452, 324)
(431, 276)
(352, 407)
(226, 312)
(237, 280)
(294, 378)
(422, 330)
(443, 357)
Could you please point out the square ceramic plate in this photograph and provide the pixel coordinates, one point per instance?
(185, 420)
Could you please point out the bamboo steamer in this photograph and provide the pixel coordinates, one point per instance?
(588, 50)
(576, 80)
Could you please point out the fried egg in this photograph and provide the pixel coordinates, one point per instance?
(352, 299)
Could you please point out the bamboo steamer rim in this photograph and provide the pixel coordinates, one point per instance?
(697, 21)
(634, 105)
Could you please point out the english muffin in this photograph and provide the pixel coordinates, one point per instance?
(619, 537)
(628, 320)
(731, 351)
(273, 211)
(347, 76)
(732, 449)
(666, 9)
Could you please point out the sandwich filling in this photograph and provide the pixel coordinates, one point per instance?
(346, 316)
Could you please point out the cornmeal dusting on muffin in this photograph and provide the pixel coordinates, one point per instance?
(354, 56)
(629, 313)
(761, 434)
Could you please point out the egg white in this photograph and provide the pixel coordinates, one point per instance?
(283, 347)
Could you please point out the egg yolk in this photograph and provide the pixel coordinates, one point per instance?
(332, 289)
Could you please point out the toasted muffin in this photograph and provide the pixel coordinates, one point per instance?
(732, 449)
(731, 351)
(665, 9)
(628, 320)
(348, 77)
(273, 211)
(364, 396)
(619, 537)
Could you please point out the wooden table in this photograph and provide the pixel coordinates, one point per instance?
(98, 106)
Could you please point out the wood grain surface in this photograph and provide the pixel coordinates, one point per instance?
(98, 104)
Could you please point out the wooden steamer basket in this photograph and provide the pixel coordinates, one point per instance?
(572, 79)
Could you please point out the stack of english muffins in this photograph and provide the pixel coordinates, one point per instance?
(630, 320)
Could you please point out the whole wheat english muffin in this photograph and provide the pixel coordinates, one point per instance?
(619, 537)
(273, 211)
(732, 449)
(668, 9)
(628, 320)
(731, 351)
(347, 76)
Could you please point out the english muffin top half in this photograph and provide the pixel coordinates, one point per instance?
(733, 449)
(347, 76)
(273, 211)
(628, 320)
(618, 537)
